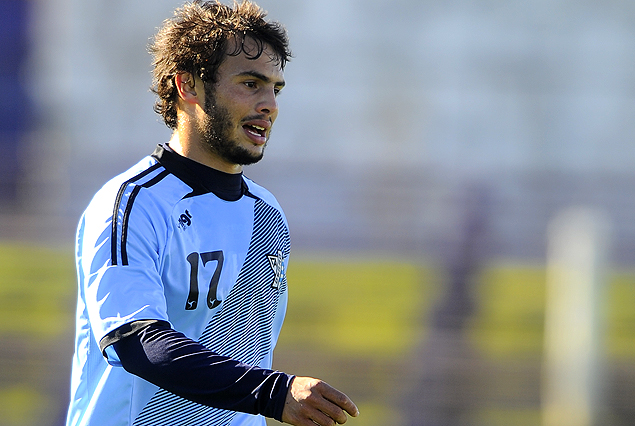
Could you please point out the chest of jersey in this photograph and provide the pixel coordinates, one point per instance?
(223, 264)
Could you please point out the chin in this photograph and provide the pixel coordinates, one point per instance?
(245, 158)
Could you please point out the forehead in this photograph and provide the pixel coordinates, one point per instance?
(267, 63)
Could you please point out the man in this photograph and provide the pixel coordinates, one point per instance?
(181, 260)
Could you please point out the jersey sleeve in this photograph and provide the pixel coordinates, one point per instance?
(118, 262)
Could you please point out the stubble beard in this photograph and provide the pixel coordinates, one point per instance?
(216, 131)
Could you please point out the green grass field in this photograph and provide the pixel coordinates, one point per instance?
(354, 322)
(510, 320)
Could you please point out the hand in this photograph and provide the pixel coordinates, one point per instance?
(311, 401)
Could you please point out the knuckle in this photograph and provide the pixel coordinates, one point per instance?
(340, 399)
(318, 383)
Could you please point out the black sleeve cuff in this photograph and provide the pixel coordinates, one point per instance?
(127, 330)
(272, 398)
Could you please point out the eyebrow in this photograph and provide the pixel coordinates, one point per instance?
(261, 77)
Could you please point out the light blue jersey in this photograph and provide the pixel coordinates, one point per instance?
(156, 243)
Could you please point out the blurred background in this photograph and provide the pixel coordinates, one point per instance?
(458, 177)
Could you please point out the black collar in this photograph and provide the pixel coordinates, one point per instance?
(201, 178)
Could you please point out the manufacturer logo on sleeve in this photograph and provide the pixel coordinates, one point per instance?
(185, 220)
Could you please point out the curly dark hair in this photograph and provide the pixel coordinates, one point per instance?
(197, 40)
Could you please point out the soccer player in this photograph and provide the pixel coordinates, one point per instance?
(182, 260)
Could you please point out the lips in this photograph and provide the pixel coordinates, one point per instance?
(257, 130)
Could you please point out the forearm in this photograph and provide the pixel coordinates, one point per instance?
(170, 360)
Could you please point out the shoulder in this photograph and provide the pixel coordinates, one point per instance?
(148, 175)
(146, 166)
(145, 194)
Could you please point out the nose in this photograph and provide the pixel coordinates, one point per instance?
(268, 104)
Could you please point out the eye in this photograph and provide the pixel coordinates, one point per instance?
(250, 84)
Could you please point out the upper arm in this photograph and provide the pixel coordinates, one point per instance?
(116, 293)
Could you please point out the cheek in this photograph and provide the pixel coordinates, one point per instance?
(236, 106)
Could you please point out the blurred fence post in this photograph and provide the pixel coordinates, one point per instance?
(578, 241)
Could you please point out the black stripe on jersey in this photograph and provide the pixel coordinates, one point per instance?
(126, 214)
(115, 213)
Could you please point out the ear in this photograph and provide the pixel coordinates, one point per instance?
(186, 86)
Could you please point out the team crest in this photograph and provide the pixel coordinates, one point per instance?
(276, 263)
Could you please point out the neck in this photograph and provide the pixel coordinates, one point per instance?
(185, 145)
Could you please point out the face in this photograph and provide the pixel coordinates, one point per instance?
(241, 110)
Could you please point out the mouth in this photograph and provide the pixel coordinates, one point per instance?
(257, 130)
